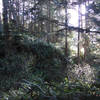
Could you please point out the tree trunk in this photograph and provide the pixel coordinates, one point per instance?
(48, 21)
(78, 34)
(7, 35)
(5, 17)
(66, 33)
(86, 43)
(23, 13)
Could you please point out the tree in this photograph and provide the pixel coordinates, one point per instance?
(1, 26)
(5, 16)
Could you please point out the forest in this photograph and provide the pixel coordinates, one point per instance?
(49, 49)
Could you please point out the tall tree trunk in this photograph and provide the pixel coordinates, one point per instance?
(0, 25)
(66, 32)
(8, 37)
(79, 34)
(86, 43)
(23, 11)
(41, 21)
(48, 21)
(10, 11)
(5, 16)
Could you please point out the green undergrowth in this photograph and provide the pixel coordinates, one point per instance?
(36, 70)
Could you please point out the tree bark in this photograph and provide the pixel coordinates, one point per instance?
(66, 33)
(78, 34)
(5, 16)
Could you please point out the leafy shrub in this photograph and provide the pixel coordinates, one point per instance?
(49, 60)
(82, 72)
(13, 68)
(40, 58)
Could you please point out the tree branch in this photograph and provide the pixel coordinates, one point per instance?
(72, 28)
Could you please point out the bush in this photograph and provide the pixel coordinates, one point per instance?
(49, 60)
(13, 68)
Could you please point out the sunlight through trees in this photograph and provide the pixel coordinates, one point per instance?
(49, 49)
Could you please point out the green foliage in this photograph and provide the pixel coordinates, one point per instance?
(37, 57)
(38, 89)
(35, 70)
(35, 89)
(48, 61)
(13, 68)
(75, 59)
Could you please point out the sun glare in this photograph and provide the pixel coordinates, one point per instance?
(0, 6)
(83, 9)
(82, 51)
(63, 12)
(73, 15)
